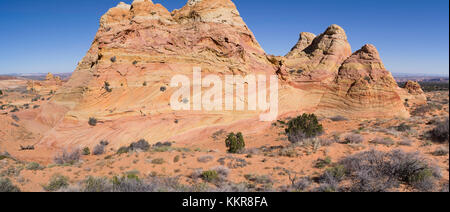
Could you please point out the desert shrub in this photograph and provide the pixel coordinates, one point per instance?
(441, 151)
(162, 147)
(92, 184)
(338, 118)
(441, 132)
(303, 127)
(107, 87)
(223, 172)
(34, 166)
(152, 184)
(301, 184)
(176, 159)
(1, 93)
(445, 188)
(4, 156)
(259, 179)
(7, 186)
(337, 172)
(327, 142)
(322, 163)
(57, 182)
(36, 98)
(86, 151)
(144, 84)
(25, 148)
(123, 150)
(235, 143)
(92, 121)
(210, 176)
(158, 161)
(383, 141)
(68, 157)
(205, 159)
(15, 117)
(163, 89)
(353, 139)
(288, 152)
(141, 145)
(217, 175)
(403, 127)
(424, 109)
(330, 179)
(375, 171)
(98, 150)
(128, 184)
(113, 59)
(327, 188)
(405, 142)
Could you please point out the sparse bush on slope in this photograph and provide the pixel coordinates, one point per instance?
(68, 157)
(441, 132)
(353, 139)
(86, 151)
(92, 121)
(375, 171)
(235, 143)
(338, 118)
(100, 148)
(7, 186)
(57, 182)
(141, 145)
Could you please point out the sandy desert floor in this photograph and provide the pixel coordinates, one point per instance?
(269, 163)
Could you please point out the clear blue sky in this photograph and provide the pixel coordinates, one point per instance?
(411, 35)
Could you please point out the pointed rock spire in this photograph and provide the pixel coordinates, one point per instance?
(318, 60)
(305, 40)
(365, 64)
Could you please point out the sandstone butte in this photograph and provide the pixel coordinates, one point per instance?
(139, 47)
(50, 84)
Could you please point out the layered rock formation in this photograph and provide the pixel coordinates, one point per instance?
(49, 85)
(317, 59)
(363, 86)
(412, 94)
(123, 80)
(413, 88)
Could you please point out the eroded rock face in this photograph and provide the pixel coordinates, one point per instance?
(123, 81)
(49, 85)
(412, 94)
(306, 39)
(317, 59)
(363, 84)
(365, 64)
(144, 42)
(413, 88)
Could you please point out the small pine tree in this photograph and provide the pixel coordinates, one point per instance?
(235, 143)
(303, 127)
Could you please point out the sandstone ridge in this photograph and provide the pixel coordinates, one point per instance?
(123, 81)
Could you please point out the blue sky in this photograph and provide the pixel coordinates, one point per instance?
(411, 35)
